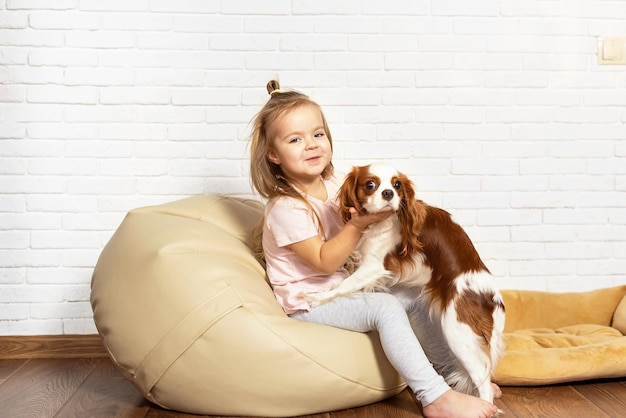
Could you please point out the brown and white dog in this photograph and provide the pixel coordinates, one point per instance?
(421, 249)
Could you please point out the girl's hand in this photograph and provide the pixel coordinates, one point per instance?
(362, 221)
(328, 256)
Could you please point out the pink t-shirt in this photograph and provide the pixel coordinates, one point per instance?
(288, 221)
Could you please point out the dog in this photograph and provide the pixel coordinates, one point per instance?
(420, 249)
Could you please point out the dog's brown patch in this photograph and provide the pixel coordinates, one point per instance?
(476, 310)
(449, 252)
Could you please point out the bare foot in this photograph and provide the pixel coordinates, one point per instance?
(454, 404)
(497, 392)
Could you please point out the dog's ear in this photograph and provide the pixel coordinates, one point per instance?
(348, 195)
(412, 214)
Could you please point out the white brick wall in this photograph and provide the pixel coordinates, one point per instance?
(496, 108)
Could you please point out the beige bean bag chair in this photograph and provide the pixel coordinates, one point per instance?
(563, 337)
(186, 314)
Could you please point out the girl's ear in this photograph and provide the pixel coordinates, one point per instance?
(273, 157)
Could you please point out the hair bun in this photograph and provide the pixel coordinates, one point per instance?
(273, 86)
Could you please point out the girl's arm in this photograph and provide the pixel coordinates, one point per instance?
(328, 256)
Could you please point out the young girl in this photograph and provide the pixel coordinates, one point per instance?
(305, 245)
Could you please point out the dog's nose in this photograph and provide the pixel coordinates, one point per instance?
(387, 194)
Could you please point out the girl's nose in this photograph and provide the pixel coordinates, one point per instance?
(311, 143)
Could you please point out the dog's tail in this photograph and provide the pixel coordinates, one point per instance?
(496, 344)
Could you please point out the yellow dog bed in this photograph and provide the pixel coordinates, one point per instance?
(185, 312)
(563, 337)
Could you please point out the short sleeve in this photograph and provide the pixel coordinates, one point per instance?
(291, 221)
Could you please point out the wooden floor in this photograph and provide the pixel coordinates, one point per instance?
(58, 377)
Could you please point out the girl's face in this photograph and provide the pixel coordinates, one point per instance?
(300, 145)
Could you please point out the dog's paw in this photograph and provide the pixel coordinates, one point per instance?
(316, 299)
(353, 262)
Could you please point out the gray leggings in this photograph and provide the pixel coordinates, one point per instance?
(397, 318)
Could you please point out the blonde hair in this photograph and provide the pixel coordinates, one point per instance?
(267, 178)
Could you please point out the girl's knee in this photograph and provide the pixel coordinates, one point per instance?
(385, 304)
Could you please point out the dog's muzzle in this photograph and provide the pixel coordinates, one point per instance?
(387, 194)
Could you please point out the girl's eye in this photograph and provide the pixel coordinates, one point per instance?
(294, 140)
(397, 185)
(370, 185)
(319, 135)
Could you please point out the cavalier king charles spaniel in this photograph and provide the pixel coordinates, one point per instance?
(420, 249)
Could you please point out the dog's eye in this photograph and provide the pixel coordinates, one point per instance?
(370, 185)
(397, 185)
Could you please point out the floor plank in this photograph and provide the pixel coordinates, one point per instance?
(609, 396)
(41, 386)
(105, 393)
(548, 401)
(8, 367)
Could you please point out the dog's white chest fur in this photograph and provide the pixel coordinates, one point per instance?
(379, 239)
